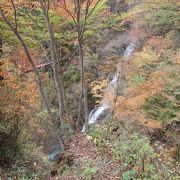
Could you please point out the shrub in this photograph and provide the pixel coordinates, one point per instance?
(89, 171)
(137, 156)
(165, 18)
(160, 107)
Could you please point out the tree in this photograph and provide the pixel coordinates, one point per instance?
(81, 12)
(55, 58)
(14, 29)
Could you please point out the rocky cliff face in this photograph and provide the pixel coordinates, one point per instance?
(117, 5)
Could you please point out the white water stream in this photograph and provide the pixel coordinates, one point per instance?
(100, 112)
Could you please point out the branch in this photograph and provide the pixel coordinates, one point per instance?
(15, 13)
(64, 7)
(93, 8)
(85, 18)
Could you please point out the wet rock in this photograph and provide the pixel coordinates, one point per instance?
(117, 6)
(117, 46)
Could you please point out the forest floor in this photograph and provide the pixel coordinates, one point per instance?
(94, 161)
(86, 155)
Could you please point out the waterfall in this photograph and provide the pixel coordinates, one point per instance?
(129, 50)
(100, 112)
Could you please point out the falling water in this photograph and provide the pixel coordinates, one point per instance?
(100, 112)
(129, 50)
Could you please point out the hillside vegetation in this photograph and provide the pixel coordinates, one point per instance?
(58, 60)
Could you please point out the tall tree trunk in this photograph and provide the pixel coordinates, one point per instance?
(83, 85)
(56, 68)
(80, 31)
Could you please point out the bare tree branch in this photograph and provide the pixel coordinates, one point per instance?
(15, 13)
